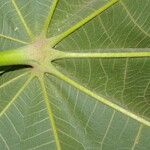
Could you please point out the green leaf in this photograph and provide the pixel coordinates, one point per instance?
(93, 92)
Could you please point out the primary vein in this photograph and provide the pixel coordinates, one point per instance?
(12, 80)
(99, 98)
(17, 94)
(106, 55)
(12, 39)
(60, 37)
(50, 113)
(50, 15)
(22, 19)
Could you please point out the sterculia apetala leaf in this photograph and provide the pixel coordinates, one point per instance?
(74, 75)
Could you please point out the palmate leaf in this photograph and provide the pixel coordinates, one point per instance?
(94, 103)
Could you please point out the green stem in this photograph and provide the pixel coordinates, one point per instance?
(13, 57)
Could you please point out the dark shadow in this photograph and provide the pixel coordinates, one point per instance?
(5, 69)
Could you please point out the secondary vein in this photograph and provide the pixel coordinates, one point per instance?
(137, 138)
(133, 20)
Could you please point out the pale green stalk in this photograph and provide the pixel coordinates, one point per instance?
(13, 57)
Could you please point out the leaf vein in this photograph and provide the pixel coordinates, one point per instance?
(12, 39)
(50, 113)
(100, 98)
(22, 19)
(133, 20)
(16, 95)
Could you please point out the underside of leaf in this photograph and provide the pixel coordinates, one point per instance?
(74, 75)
